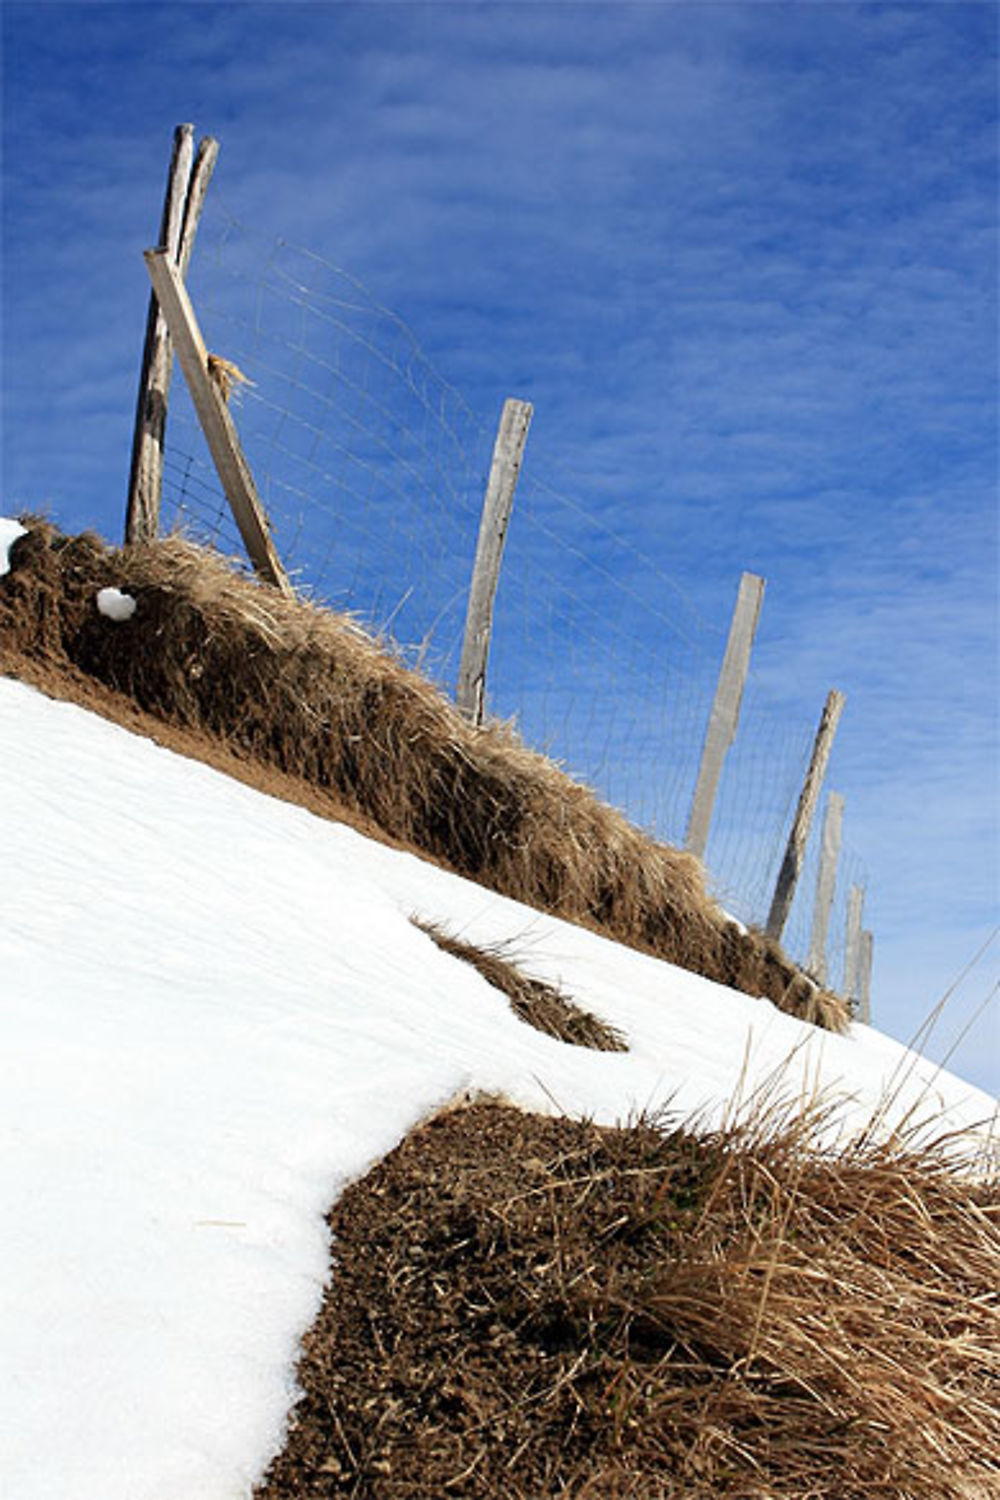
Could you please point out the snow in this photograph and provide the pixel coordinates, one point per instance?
(214, 1013)
(115, 605)
(10, 530)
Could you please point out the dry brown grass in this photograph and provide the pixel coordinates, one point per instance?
(290, 686)
(225, 376)
(535, 1307)
(531, 1308)
(540, 1005)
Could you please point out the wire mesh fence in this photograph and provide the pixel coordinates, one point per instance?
(372, 469)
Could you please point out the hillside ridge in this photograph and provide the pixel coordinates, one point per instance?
(304, 704)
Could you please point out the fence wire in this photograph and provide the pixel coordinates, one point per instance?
(372, 469)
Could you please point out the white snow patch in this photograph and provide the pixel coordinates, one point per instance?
(214, 1013)
(10, 530)
(115, 605)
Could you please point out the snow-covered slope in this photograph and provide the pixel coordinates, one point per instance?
(215, 1012)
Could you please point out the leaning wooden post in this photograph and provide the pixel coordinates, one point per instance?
(826, 884)
(852, 953)
(185, 197)
(213, 414)
(791, 865)
(725, 713)
(508, 451)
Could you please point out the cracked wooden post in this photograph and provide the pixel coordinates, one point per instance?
(826, 884)
(725, 713)
(216, 422)
(187, 185)
(791, 865)
(508, 451)
(201, 176)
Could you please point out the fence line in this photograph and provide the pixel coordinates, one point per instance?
(372, 469)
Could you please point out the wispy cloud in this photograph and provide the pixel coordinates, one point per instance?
(742, 258)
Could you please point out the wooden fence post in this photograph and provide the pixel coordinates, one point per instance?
(865, 978)
(791, 865)
(201, 176)
(852, 953)
(826, 884)
(213, 414)
(182, 205)
(508, 451)
(725, 710)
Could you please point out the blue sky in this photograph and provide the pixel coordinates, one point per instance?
(742, 258)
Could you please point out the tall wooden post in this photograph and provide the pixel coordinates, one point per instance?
(508, 451)
(826, 884)
(791, 865)
(213, 414)
(725, 714)
(187, 185)
(852, 953)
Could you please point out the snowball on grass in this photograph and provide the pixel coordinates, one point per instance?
(10, 530)
(115, 605)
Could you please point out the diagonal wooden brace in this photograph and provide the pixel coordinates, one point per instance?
(216, 422)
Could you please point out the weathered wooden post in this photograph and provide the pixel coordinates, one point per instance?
(201, 176)
(187, 185)
(725, 714)
(826, 884)
(213, 414)
(865, 977)
(791, 865)
(508, 451)
(852, 952)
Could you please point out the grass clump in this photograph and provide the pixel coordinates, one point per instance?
(540, 1005)
(535, 1307)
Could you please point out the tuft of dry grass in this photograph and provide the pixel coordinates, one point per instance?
(541, 1005)
(307, 692)
(538, 1307)
(225, 375)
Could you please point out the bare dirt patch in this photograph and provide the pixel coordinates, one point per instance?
(530, 1308)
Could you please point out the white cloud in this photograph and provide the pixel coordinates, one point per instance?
(740, 257)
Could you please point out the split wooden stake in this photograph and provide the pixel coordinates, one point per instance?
(187, 185)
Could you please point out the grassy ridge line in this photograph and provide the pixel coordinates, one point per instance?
(299, 689)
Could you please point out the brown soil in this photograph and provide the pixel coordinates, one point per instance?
(531, 1308)
(69, 685)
